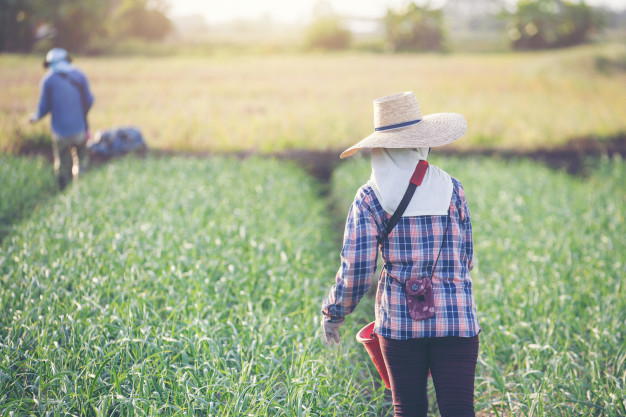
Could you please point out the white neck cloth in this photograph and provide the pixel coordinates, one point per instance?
(391, 171)
(61, 66)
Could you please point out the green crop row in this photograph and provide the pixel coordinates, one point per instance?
(23, 184)
(192, 287)
(549, 284)
(177, 287)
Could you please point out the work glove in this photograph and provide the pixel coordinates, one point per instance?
(33, 119)
(331, 331)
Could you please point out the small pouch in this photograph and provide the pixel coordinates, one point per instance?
(420, 298)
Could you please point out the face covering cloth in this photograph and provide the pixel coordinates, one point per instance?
(391, 172)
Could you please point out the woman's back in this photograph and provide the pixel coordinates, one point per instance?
(411, 251)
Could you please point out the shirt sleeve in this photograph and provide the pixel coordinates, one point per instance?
(44, 99)
(358, 264)
(89, 95)
(467, 230)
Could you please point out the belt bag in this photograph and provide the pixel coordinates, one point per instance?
(419, 291)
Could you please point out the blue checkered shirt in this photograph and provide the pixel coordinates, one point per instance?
(410, 251)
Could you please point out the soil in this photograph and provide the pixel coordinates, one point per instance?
(572, 157)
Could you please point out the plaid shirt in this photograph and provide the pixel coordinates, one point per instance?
(410, 251)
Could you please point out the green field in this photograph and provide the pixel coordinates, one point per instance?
(192, 286)
(548, 284)
(174, 286)
(275, 102)
(177, 286)
(25, 183)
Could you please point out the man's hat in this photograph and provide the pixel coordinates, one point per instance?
(56, 55)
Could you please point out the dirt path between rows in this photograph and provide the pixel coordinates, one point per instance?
(572, 157)
(576, 157)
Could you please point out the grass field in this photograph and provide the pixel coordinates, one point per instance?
(25, 184)
(174, 286)
(178, 286)
(274, 102)
(548, 284)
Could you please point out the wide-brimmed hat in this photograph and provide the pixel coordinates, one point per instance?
(398, 123)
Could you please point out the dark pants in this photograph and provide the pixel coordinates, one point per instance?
(452, 364)
(64, 163)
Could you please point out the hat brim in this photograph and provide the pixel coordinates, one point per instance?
(434, 130)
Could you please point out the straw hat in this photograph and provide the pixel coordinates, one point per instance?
(399, 123)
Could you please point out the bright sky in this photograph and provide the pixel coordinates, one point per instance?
(300, 10)
(280, 10)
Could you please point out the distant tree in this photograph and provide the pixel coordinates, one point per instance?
(542, 24)
(616, 20)
(326, 31)
(72, 23)
(417, 28)
(17, 20)
(75, 23)
(142, 19)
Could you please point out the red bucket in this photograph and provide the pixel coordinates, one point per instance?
(369, 338)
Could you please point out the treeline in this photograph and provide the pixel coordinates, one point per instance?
(81, 26)
(530, 24)
(99, 26)
(542, 24)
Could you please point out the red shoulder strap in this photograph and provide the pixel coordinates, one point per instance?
(420, 171)
(414, 182)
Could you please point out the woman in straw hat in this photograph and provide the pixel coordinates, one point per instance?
(425, 312)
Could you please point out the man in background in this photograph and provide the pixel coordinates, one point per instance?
(65, 93)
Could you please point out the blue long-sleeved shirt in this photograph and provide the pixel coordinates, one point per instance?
(62, 99)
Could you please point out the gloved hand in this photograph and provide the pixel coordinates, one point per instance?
(33, 119)
(331, 331)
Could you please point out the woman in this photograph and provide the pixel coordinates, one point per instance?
(425, 313)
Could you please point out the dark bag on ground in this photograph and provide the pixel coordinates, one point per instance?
(117, 141)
